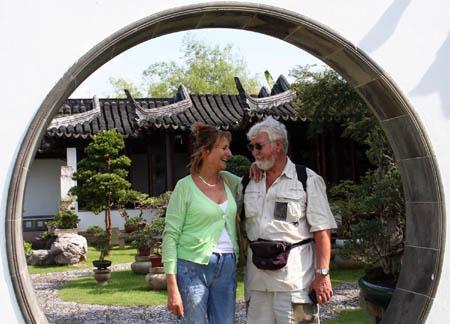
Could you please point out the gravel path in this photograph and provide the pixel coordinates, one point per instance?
(346, 296)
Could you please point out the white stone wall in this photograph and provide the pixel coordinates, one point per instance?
(41, 40)
(44, 173)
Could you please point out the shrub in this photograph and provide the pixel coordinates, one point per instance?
(94, 229)
(28, 249)
(238, 165)
(65, 219)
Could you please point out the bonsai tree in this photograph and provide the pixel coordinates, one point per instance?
(65, 218)
(372, 210)
(101, 242)
(101, 176)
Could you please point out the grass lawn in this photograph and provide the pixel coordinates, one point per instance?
(342, 276)
(352, 316)
(125, 288)
(117, 256)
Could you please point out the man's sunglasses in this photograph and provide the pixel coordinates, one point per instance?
(257, 146)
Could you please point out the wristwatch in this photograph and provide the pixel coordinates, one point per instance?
(323, 271)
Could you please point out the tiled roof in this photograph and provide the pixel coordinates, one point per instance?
(85, 117)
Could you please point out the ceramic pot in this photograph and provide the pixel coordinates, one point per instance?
(101, 264)
(102, 276)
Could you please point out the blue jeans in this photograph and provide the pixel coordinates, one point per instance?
(208, 291)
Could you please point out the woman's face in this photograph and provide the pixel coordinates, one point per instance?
(217, 158)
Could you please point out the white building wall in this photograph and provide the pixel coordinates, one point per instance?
(42, 193)
(41, 40)
(89, 218)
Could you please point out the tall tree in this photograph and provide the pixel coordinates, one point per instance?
(119, 84)
(204, 69)
(101, 175)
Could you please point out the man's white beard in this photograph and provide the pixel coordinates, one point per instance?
(266, 164)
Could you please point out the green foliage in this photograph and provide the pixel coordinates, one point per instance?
(101, 242)
(120, 84)
(27, 248)
(142, 238)
(328, 102)
(101, 175)
(238, 165)
(373, 210)
(134, 221)
(377, 232)
(65, 219)
(204, 69)
(156, 227)
(94, 229)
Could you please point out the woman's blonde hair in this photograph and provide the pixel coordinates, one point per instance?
(204, 136)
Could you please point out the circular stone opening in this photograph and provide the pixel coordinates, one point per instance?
(425, 216)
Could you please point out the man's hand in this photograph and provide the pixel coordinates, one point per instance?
(322, 285)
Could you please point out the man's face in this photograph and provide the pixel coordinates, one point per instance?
(263, 151)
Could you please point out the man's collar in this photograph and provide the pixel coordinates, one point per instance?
(289, 169)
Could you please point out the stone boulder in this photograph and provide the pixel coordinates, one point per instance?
(41, 257)
(69, 248)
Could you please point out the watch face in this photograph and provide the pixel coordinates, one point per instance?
(323, 271)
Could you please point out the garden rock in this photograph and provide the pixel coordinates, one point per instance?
(41, 257)
(69, 249)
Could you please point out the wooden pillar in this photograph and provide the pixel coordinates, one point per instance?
(168, 158)
(150, 168)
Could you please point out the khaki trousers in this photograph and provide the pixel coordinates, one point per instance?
(277, 308)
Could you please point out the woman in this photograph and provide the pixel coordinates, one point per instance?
(199, 241)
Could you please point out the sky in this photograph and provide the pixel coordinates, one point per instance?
(260, 51)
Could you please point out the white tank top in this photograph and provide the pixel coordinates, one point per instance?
(224, 245)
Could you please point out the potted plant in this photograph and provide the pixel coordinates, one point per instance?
(101, 242)
(142, 240)
(134, 223)
(65, 220)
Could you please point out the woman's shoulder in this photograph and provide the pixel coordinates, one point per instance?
(184, 182)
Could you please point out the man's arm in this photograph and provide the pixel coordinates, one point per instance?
(322, 284)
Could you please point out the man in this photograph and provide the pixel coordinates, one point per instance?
(278, 208)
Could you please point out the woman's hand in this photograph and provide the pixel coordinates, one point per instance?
(255, 172)
(174, 301)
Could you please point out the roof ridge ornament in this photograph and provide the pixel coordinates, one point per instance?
(155, 115)
(280, 94)
(79, 118)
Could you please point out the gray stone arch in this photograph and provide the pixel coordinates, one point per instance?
(421, 180)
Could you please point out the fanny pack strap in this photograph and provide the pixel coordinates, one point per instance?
(301, 243)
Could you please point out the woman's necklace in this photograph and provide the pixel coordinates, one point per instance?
(206, 183)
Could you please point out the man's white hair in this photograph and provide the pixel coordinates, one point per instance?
(274, 129)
